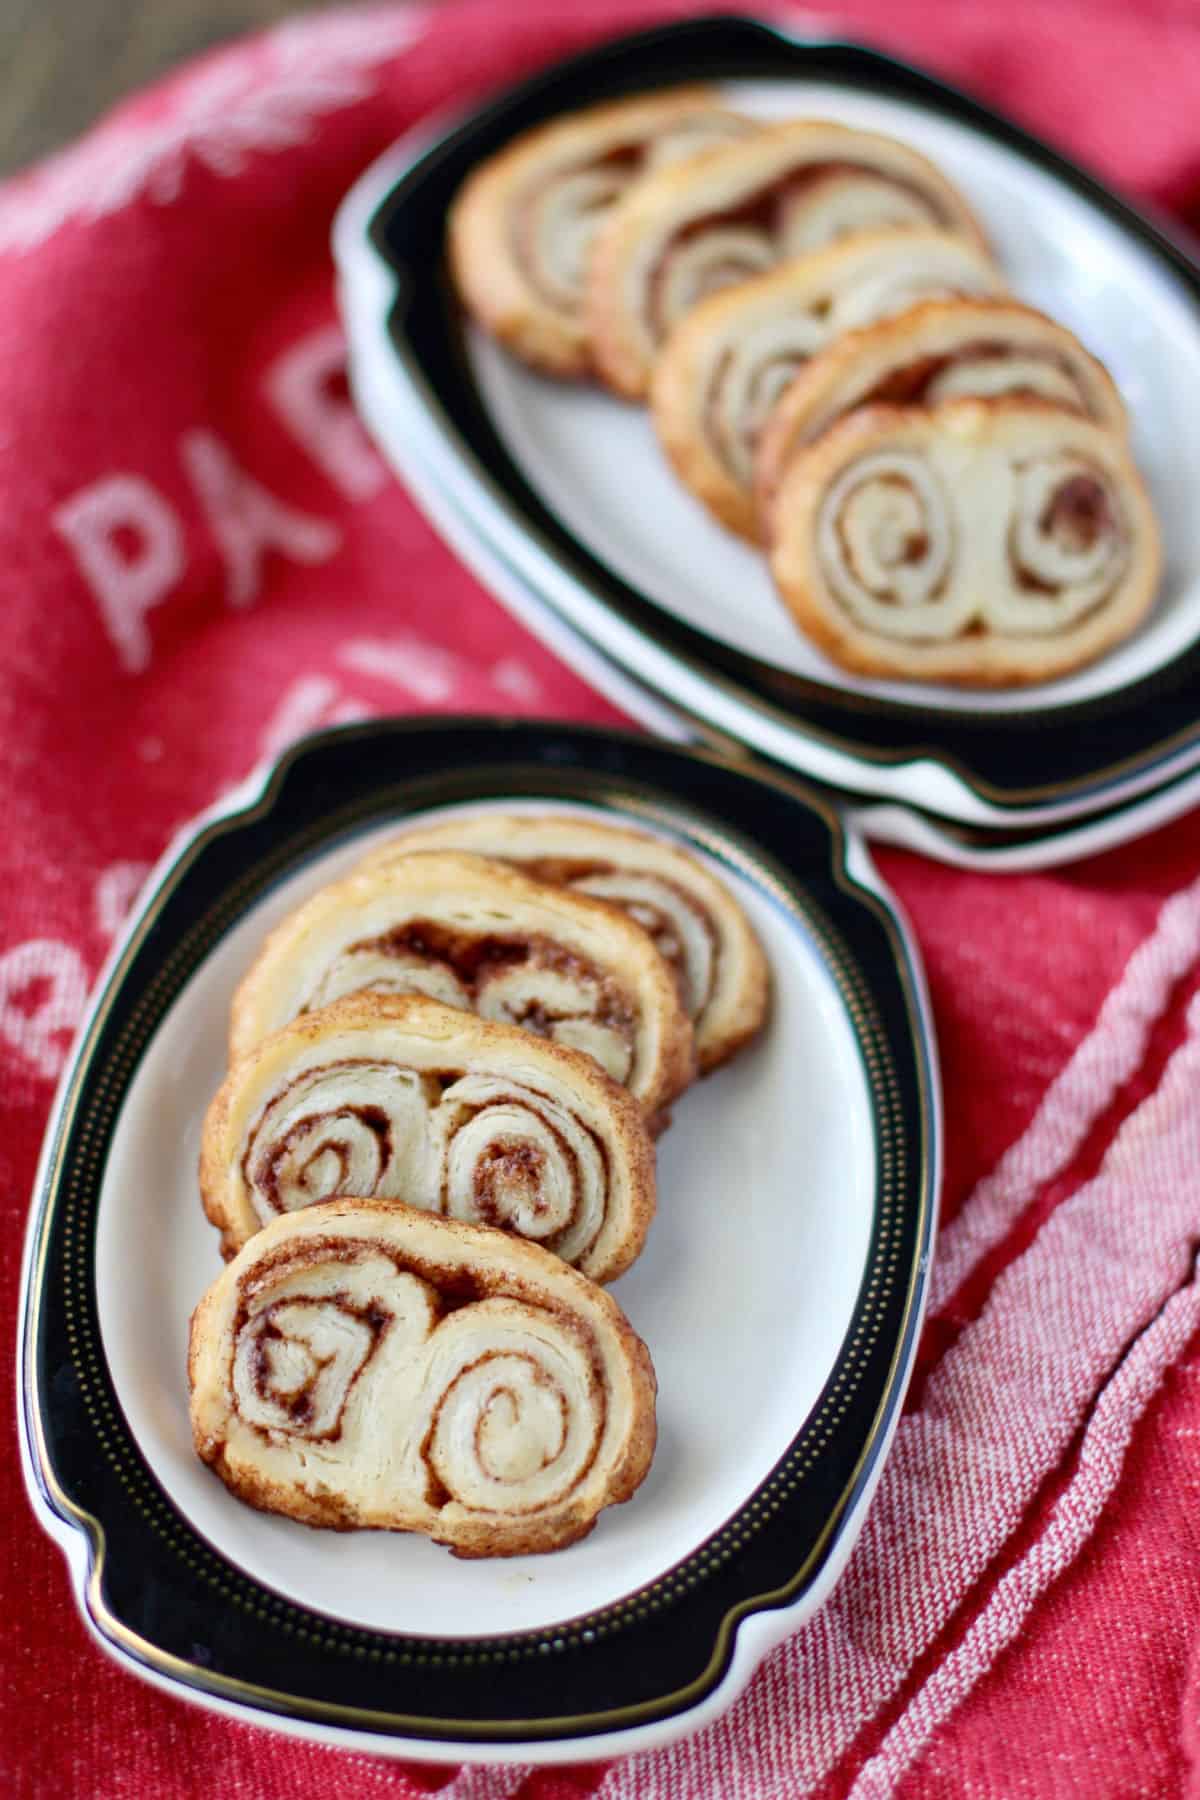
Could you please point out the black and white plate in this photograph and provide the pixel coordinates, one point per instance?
(569, 486)
(780, 1293)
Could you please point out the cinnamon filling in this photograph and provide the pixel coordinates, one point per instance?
(264, 1174)
(906, 550)
(476, 959)
(505, 1172)
(1079, 513)
(1076, 520)
(270, 1342)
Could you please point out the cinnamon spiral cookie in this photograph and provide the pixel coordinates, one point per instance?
(982, 541)
(696, 923)
(480, 935)
(522, 226)
(361, 1364)
(398, 1097)
(682, 233)
(938, 350)
(725, 366)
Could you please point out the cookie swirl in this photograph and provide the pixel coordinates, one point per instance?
(346, 1127)
(366, 1365)
(885, 537)
(512, 1157)
(747, 383)
(980, 541)
(401, 1098)
(515, 1414)
(563, 997)
(555, 233)
(522, 228)
(481, 936)
(297, 1355)
(387, 967)
(1068, 542)
(682, 928)
(706, 263)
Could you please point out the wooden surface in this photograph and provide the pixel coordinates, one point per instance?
(64, 62)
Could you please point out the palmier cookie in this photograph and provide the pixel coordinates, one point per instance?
(365, 1364)
(521, 228)
(401, 1098)
(482, 936)
(985, 542)
(733, 212)
(937, 350)
(693, 918)
(725, 365)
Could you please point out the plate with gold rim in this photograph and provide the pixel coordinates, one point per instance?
(804, 1174)
(568, 485)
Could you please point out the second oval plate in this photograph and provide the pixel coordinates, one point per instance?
(568, 484)
(780, 1292)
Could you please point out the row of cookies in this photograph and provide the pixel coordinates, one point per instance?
(940, 475)
(434, 1142)
(585, 242)
(945, 493)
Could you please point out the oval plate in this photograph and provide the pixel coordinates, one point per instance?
(568, 484)
(805, 1174)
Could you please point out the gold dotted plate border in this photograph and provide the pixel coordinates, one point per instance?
(75, 1189)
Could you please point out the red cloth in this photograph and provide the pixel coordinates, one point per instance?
(1020, 1616)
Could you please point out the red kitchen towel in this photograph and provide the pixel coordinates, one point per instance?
(201, 557)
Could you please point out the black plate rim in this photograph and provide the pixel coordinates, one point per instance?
(999, 744)
(43, 1456)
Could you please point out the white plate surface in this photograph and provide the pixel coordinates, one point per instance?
(767, 1175)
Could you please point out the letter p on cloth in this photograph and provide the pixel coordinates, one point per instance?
(126, 577)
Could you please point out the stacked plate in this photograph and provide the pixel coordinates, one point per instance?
(560, 498)
(778, 1395)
